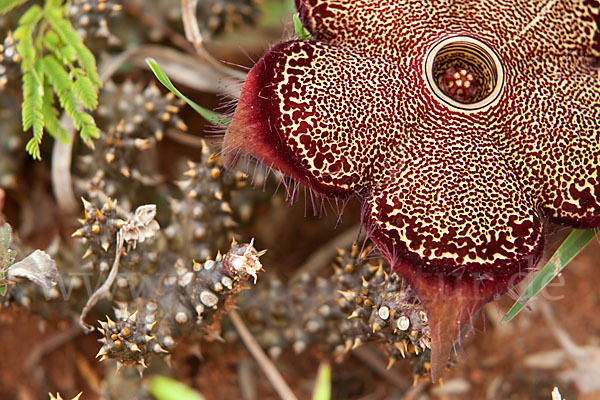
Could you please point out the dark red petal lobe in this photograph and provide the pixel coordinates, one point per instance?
(456, 223)
(558, 158)
(407, 24)
(541, 28)
(306, 110)
(529, 27)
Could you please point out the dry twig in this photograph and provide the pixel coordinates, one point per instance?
(279, 384)
(192, 33)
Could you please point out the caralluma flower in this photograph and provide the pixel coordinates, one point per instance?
(464, 126)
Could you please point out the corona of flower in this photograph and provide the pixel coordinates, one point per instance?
(464, 127)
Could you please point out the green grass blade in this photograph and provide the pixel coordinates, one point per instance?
(164, 388)
(322, 389)
(210, 116)
(568, 250)
(301, 31)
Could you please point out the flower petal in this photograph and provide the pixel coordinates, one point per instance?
(456, 224)
(541, 28)
(392, 27)
(322, 114)
(557, 151)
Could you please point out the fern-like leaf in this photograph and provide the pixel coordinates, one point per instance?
(89, 130)
(53, 126)
(29, 88)
(54, 62)
(59, 79)
(68, 35)
(33, 100)
(24, 36)
(86, 92)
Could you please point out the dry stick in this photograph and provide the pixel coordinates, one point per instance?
(192, 33)
(103, 290)
(273, 375)
(321, 257)
(60, 169)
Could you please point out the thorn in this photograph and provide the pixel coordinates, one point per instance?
(134, 347)
(87, 253)
(357, 342)
(390, 363)
(101, 352)
(376, 327)
(78, 233)
(348, 295)
(225, 207)
(354, 251)
(133, 317)
(126, 172)
(158, 349)
(111, 323)
(347, 345)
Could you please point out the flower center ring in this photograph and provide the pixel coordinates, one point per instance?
(464, 73)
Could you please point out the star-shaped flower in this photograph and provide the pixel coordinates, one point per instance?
(464, 126)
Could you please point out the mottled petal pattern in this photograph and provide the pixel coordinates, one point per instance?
(463, 126)
(559, 157)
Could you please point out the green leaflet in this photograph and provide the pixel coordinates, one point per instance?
(568, 250)
(210, 116)
(65, 30)
(53, 126)
(55, 62)
(86, 92)
(301, 31)
(164, 388)
(33, 101)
